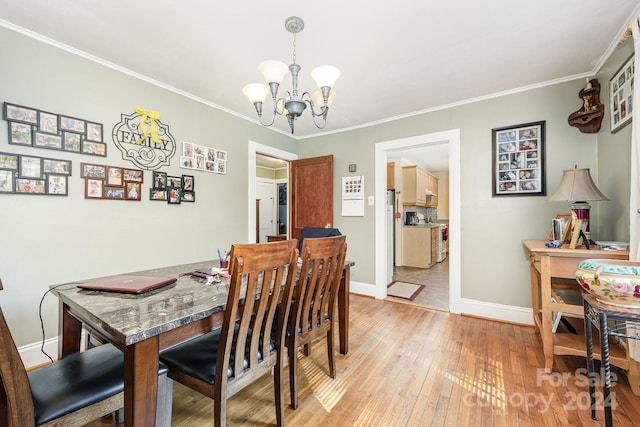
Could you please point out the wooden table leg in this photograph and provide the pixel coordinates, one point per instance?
(343, 310)
(141, 383)
(69, 332)
(535, 290)
(545, 295)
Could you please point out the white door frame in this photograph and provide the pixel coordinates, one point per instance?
(254, 148)
(453, 138)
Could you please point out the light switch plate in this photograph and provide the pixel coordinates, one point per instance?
(370, 200)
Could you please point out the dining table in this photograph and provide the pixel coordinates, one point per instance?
(142, 325)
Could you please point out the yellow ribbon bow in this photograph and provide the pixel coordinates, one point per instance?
(152, 116)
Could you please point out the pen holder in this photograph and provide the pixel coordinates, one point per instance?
(224, 263)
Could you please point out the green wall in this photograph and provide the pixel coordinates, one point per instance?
(48, 240)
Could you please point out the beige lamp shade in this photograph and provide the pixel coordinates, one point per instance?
(576, 185)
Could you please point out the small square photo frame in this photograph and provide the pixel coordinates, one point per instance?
(188, 197)
(8, 161)
(159, 181)
(174, 195)
(57, 185)
(188, 183)
(6, 181)
(174, 181)
(114, 176)
(93, 188)
(48, 122)
(71, 141)
(30, 167)
(114, 192)
(132, 191)
(20, 133)
(94, 132)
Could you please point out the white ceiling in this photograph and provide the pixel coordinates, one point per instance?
(397, 58)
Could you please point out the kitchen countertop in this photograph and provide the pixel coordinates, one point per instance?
(426, 225)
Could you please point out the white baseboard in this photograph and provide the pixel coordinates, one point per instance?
(31, 354)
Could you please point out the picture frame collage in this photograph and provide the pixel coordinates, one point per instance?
(24, 174)
(203, 158)
(111, 182)
(518, 161)
(41, 129)
(621, 96)
(172, 189)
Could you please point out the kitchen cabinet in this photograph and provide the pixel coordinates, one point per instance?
(416, 184)
(419, 246)
(391, 168)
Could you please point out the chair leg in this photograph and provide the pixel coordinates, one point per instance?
(165, 400)
(219, 405)
(331, 354)
(307, 349)
(293, 374)
(277, 389)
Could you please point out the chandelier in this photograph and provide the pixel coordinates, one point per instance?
(291, 105)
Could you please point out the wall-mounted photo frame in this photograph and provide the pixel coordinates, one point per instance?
(89, 170)
(174, 195)
(188, 197)
(94, 148)
(71, 141)
(132, 191)
(134, 175)
(174, 181)
(114, 192)
(47, 140)
(114, 176)
(20, 133)
(94, 132)
(621, 96)
(30, 167)
(203, 158)
(72, 124)
(159, 194)
(57, 185)
(48, 122)
(56, 167)
(6, 181)
(93, 188)
(518, 163)
(8, 161)
(18, 113)
(160, 181)
(30, 186)
(188, 183)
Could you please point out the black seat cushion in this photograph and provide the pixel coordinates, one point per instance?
(77, 381)
(197, 357)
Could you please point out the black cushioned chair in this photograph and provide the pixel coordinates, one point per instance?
(70, 392)
(312, 232)
(314, 302)
(220, 363)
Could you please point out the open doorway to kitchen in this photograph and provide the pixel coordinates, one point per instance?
(271, 198)
(382, 151)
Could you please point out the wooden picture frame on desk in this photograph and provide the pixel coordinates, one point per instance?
(564, 221)
(579, 226)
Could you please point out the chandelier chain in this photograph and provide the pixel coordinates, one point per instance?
(294, 48)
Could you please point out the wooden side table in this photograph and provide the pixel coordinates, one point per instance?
(547, 264)
(612, 321)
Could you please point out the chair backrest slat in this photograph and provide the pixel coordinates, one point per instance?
(262, 275)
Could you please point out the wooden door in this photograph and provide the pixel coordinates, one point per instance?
(311, 185)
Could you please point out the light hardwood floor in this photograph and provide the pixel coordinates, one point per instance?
(410, 366)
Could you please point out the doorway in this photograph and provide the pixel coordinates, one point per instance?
(382, 149)
(254, 150)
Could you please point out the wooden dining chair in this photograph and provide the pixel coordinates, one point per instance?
(70, 392)
(314, 302)
(222, 362)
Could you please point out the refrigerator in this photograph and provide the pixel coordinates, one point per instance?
(390, 225)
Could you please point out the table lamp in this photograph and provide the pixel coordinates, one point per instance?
(577, 186)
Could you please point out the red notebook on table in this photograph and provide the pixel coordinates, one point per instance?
(128, 284)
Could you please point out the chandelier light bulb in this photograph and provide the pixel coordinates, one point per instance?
(325, 75)
(273, 71)
(256, 92)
